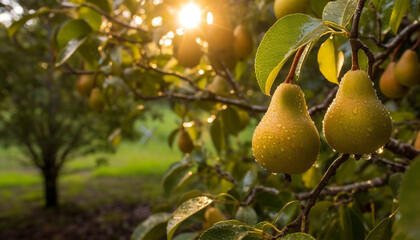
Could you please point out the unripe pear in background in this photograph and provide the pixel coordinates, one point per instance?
(212, 216)
(84, 85)
(357, 122)
(97, 100)
(243, 43)
(187, 51)
(225, 57)
(185, 143)
(389, 86)
(417, 142)
(286, 7)
(219, 86)
(220, 32)
(286, 140)
(407, 70)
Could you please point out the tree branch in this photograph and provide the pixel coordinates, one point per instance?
(354, 187)
(325, 104)
(248, 200)
(402, 149)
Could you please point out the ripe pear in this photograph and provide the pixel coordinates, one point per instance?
(97, 100)
(84, 85)
(187, 51)
(417, 142)
(357, 122)
(407, 70)
(220, 32)
(389, 86)
(243, 43)
(286, 7)
(219, 86)
(212, 216)
(185, 143)
(286, 140)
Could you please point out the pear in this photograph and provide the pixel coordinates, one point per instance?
(187, 51)
(225, 56)
(185, 143)
(243, 44)
(84, 85)
(407, 70)
(417, 142)
(96, 100)
(286, 140)
(219, 86)
(389, 86)
(286, 7)
(212, 216)
(357, 122)
(220, 32)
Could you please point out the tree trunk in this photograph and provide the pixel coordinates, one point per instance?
(50, 187)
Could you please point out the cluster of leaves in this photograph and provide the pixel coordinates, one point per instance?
(119, 42)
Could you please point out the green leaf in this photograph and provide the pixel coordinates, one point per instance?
(280, 42)
(231, 230)
(12, 30)
(217, 134)
(312, 177)
(184, 211)
(187, 236)
(382, 231)
(172, 136)
(231, 121)
(72, 29)
(68, 51)
(148, 229)
(340, 11)
(330, 60)
(246, 215)
(93, 18)
(409, 198)
(398, 12)
(297, 236)
(104, 5)
(175, 177)
(304, 57)
(414, 5)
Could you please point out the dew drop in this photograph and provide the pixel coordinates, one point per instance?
(288, 138)
(264, 146)
(334, 150)
(370, 129)
(380, 150)
(282, 149)
(366, 156)
(355, 110)
(351, 155)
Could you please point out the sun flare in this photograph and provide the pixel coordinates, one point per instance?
(190, 16)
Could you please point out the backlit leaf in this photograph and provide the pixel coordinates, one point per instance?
(330, 60)
(340, 11)
(398, 12)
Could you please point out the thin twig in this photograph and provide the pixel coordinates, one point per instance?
(324, 105)
(300, 221)
(412, 122)
(250, 198)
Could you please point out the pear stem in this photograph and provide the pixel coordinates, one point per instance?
(354, 35)
(417, 42)
(289, 78)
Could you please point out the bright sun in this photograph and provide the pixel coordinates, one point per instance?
(190, 16)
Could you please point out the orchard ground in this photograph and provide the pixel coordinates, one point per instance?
(99, 199)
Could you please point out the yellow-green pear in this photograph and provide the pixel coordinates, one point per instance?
(219, 86)
(212, 216)
(389, 86)
(84, 85)
(243, 43)
(356, 121)
(286, 140)
(187, 51)
(185, 143)
(407, 70)
(97, 100)
(286, 7)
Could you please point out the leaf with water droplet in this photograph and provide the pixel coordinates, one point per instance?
(184, 211)
(231, 230)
